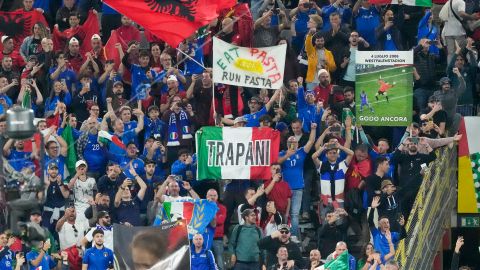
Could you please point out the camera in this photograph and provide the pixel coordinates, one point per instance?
(335, 129)
(276, 11)
(307, 5)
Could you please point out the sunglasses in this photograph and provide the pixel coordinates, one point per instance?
(284, 232)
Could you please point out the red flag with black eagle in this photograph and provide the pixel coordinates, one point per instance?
(171, 20)
(83, 33)
(19, 24)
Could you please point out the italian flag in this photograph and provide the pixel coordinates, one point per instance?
(236, 153)
(106, 137)
(469, 166)
(339, 263)
(196, 213)
(421, 3)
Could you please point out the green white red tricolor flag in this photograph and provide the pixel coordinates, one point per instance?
(236, 153)
(421, 3)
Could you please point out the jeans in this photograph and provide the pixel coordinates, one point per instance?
(295, 210)
(218, 252)
(247, 266)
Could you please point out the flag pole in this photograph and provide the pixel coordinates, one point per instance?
(198, 63)
(213, 104)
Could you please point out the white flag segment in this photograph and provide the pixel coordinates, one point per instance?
(249, 67)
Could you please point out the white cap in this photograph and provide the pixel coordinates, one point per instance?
(95, 36)
(73, 40)
(172, 78)
(80, 162)
(321, 71)
(5, 38)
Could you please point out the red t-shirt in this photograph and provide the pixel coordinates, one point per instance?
(220, 220)
(279, 194)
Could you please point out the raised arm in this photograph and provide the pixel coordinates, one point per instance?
(140, 116)
(272, 100)
(311, 138)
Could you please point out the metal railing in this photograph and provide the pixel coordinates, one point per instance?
(433, 206)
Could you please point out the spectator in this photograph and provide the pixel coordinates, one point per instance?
(373, 182)
(390, 205)
(82, 188)
(39, 257)
(218, 251)
(88, 149)
(347, 66)
(388, 35)
(314, 259)
(9, 50)
(278, 239)
(278, 191)
(31, 45)
(319, 58)
(456, 253)
(424, 62)
(63, 14)
(100, 204)
(265, 33)
(292, 162)
(127, 207)
(339, 249)
(70, 229)
(385, 241)
(435, 118)
(104, 224)
(55, 195)
(412, 164)
(333, 230)
(367, 18)
(282, 260)
(304, 21)
(201, 258)
(98, 256)
(243, 243)
(6, 255)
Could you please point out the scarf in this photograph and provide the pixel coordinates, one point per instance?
(173, 128)
(104, 228)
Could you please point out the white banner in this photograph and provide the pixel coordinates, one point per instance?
(249, 67)
(384, 58)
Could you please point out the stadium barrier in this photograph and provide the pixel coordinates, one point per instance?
(435, 200)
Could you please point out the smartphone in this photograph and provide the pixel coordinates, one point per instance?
(414, 140)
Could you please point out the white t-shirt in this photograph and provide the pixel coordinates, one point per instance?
(83, 190)
(69, 236)
(452, 26)
(107, 236)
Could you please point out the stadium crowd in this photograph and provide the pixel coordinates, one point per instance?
(119, 118)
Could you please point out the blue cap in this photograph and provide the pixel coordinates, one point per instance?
(281, 126)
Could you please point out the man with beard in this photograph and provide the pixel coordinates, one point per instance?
(411, 170)
(9, 50)
(98, 256)
(70, 229)
(278, 239)
(104, 223)
(347, 103)
(319, 59)
(88, 149)
(200, 94)
(166, 99)
(55, 193)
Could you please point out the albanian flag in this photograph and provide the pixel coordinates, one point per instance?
(171, 20)
(110, 52)
(19, 24)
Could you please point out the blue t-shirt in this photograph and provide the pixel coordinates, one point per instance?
(98, 259)
(366, 22)
(127, 126)
(389, 43)
(292, 168)
(8, 101)
(137, 164)
(47, 261)
(7, 260)
(68, 75)
(139, 76)
(115, 153)
(94, 155)
(380, 242)
(252, 118)
(196, 52)
(154, 127)
(19, 159)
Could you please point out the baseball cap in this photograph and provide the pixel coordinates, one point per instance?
(95, 36)
(385, 183)
(52, 165)
(433, 99)
(35, 212)
(5, 38)
(283, 227)
(172, 78)
(117, 82)
(281, 126)
(444, 80)
(239, 119)
(73, 40)
(79, 163)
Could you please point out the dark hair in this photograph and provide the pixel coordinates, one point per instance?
(47, 145)
(149, 161)
(182, 152)
(265, 117)
(380, 160)
(58, 54)
(74, 14)
(383, 140)
(143, 53)
(364, 251)
(152, 242)
(97, 231)
(348, 89)
(296, 120)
